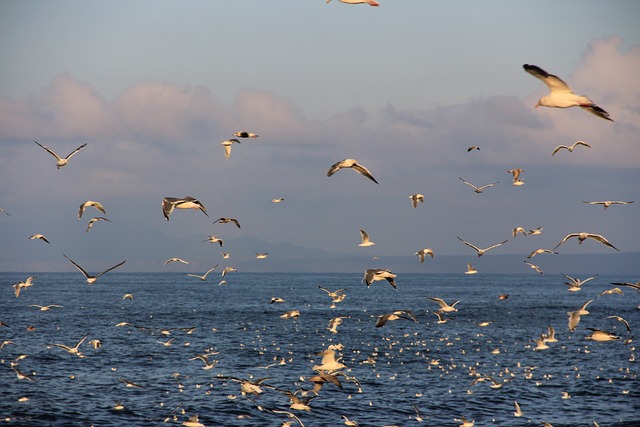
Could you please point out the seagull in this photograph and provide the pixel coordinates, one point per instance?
(478, 189)
(46, 307)
(203, 277)
(349, 422)
(329, 361)
(415, 198)
(227, 146)
(39, 236)
(473, 147)
(516, 176)
(23, 285)
(536, 231)
(175, 260)
(444, 307)
(228, 270)
(96, 219)
(582, 311)
(227, 220)
(128, 383)
(193, 421)
(541, 251)
(607, 203)
(276, 300)
(535, 267)
(570, 148)
(225, 255)
(262, 255)
(620, 319)
(369, 2)
(582, 236)
(561, 95)
(470, 269)
(440, 317)
(375, 274)
(4, 212)
(600, 335)
(61, 162)
(244, 134)
(188, 202)
(635, 286)
(208, 364)
(576, 284)
(72, 350)
(92, 279)
(334, 323)
(353, 164)
(365, 241)
(214, 239)
(398, 314)
(540, 344)
(518, 411)
(291, 314)
(519, 230)
(550, 336)
(465, 422)
(279, 200)
(422, 253)
(481, 251)
(90, 203)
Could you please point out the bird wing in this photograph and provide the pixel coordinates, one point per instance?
(364, 171)
(210, 270)
(109, 269)
(75, 151)
(86, 275)
(469, 184)
(235, 221)
(496, 245)
(469, 244)
(581, 143)
(440, 301)
(598, 111)
(335, 168)
(168, 203)
(554, 83)
(602, 240)
(558, 148)
(364, 236)
(567, 237)
(49, 150)
(490, 185)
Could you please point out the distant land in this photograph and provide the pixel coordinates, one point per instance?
(285, 257)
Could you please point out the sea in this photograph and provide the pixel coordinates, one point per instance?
(405, 373)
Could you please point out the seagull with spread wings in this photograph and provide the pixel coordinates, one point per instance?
(479, 250)
(61, 162)
(92, 279)
(570, 148)
(582, 236)
(350, 164)
(478, 189)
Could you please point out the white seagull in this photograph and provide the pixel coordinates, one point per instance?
(582, 236)
(92, 279)
(188, 202)
(470, 269)
(481, 251)
(541, 251)
(415, 198)
(90, 203)
(175, 260)
(561, 95)
(422, 253)
(352, 164)
(96, 219)
(365, 241)
(478, 189)
(576, 284)
(444, 307)
(569, 148)
(245, 134)
(227, 220)
(61, 162)
(375, 274)
(39, 236)
(227, 146)
(203, 277)
(607, 203)
(535, 267)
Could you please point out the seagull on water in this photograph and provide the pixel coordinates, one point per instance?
(607, 203)
(569, 148)
(352, 164)
(365, 241)
(96, 219)
(482, 251)
(203, 277)
(415, 198)
(470, 269)
(92, 279)
(369, 2)
(582, 236)
(478, 189)
(90, 203)
(60, 161)
(375, 274)
(39, 236)
(561, 95)
(422, 253)
(188, 202)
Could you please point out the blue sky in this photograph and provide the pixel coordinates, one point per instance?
(154, 87)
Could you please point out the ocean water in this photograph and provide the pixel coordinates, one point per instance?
(398, 366)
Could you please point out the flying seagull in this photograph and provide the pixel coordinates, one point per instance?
(61, 162)
(244, 134)
(415, 198)
(227, 220)
(444, 307)
(422, 253)
(478, 189)
(92, 279)
(516, 176)
(570, 148)
(584, 236)
(90, 203)
(607, 203)
(203, 277)
(470, 269)
(482, 251)
(188, 202)
(541, 251)
(398, 314)
(175, 260)
(561, 95)
(576, 284)
(473, 147)
(535, 267)
(39, 236)
(96, 219)
(369, 2)
(365, 241)
(227, 146)
(352, 164)
(375, 274)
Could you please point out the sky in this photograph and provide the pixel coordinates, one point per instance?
(154, 87)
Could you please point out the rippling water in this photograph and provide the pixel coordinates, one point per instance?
(423, 364)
